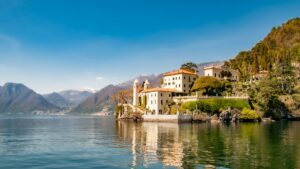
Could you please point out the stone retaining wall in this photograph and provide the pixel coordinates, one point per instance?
(167, 118)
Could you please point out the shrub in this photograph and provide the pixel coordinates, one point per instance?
(215, 105)
(249, 115)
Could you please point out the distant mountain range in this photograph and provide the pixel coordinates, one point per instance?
(56, 99)
(75, 96)
(98, 102)
(17, 98)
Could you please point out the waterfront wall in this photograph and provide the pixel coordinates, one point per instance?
(167, 118)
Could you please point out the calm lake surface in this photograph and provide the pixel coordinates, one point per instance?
(100, 142)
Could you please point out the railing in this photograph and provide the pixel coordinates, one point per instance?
(195, 98)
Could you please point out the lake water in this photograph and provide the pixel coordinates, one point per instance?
(100, 142)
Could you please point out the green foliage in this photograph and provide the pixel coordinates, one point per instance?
(211, 86)
(225, 73)
(297, 89)
(189, 65)
(281, 44)
(296, 97)
(248, 114)
(265, 94)
(215, 105)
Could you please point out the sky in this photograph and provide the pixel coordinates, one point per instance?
(61, 44)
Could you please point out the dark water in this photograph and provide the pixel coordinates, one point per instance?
(100, 142)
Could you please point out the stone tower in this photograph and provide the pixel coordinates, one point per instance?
(146, 85)
(135, 92)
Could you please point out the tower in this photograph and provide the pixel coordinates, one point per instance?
(135, 92)
(146, 85)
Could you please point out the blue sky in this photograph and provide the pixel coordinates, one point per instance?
(61, 44)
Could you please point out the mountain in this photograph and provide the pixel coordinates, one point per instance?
(153, 79)
(75, 96)
(17, 98)
(56, 99)
(97, 102)
(282, 44)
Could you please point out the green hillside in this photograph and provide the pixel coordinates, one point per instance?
(281, 44)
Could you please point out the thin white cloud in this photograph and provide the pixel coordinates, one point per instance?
(100, 78)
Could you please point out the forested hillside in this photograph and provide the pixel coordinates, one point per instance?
(281, 44)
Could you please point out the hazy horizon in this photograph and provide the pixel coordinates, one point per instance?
(57, 45)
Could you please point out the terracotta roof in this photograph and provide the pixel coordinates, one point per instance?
(160, 90)
(181, 71)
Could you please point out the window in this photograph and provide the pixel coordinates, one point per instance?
(151, 102)
(169, 83)
(189, 78)
(169, 95)
(179, 85)
(173, 78)
(173, 83)
(167, 101)
(161, 102)
(161, 95)
(175, 86)
(183, 77)
(184, 91)
(183, 85)
(179, 77)
(215, 75)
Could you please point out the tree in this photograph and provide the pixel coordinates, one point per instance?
(189, 65)
(284, 73)
(210, 86)
(122, 96)
(264, 97)
(225, 73)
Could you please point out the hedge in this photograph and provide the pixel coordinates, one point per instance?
(215, 105)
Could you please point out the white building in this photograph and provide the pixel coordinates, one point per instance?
(215, 71)
(181, 80)
(157, 100)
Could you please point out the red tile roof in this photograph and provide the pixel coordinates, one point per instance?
(181, 71)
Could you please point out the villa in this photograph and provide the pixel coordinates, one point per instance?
(216, 71)
(153, 103)
(156, 100)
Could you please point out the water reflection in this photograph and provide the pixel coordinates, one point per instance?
(101, 142)
(253, 145)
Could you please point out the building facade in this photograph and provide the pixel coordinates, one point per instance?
(181, 80)
(215, 71)
(157, 100)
